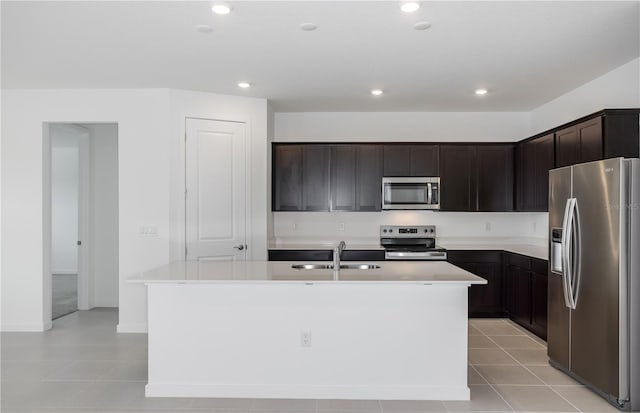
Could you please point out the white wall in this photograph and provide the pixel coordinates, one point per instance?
(253, 112)
(150, 185)
(364, 226)
(104, 194)
(402, 126)
(65, 163)
(143, 167)
(619, 88)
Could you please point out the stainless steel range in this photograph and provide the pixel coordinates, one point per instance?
(416, 242)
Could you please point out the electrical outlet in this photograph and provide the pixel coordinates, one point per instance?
(294, 226)
(148, 231)
(341, 226)
(305, 339)
(487, 226)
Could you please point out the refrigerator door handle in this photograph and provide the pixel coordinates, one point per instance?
(566, 262)
(575, 275)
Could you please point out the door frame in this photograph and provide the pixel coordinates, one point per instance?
(85, 230)
(183, 181)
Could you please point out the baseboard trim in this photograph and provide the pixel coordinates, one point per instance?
(132, 328)
(26, 328)
(64, 272)
(379, 392)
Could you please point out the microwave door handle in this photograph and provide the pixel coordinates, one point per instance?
(429, 193)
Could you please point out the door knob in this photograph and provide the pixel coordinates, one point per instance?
(239, 247)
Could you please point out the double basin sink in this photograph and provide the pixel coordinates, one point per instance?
(330, 266)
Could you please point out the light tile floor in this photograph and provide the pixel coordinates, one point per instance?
(83, 365)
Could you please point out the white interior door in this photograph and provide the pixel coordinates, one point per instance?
(215, 190)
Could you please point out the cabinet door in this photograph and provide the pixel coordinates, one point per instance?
(315, 177)
(525, 176)
(620, 134)
(397, 160)
(287, 178)
(424, 160)
(519, 294)
(567, 147)
(543, 162)
(539, 304)
(458, 178)
(368, 177)
(411, 160)
(486, 300)
(343, 177)
(495, 177)
(590, 133)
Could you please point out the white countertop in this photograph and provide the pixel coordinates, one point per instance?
(193, 272)
(532, 247)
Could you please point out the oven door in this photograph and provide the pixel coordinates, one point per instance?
(411, 193)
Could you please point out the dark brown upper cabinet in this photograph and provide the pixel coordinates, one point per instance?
(534, 159)
(579, 143)
(301, 177)
(476, 177)
(458, 178)
(410, 160)
(315, 177)
(356, 176)
(287, 178)
(495, 177)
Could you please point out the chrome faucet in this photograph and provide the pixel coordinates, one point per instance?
(337, 254)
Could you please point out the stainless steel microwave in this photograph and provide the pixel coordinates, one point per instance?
(411, 193)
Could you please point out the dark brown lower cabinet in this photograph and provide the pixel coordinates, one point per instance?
(526, 292)
(484, 300)
(325, 255)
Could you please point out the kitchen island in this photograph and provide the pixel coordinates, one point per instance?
(262, 329)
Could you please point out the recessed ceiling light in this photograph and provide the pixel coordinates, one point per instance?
(376, 92)
(422, 25)
(204, 28)
(308, 27)
(410, 7)
(481, 91)
(244, 85)
(221, 8)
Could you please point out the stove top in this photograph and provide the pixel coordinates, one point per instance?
(417, 242)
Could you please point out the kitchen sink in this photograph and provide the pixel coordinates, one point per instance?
(359, 267)
(330, 266)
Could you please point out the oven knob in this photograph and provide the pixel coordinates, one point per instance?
(384, 230)
(426, 230)
(431, 230)
(391, 230)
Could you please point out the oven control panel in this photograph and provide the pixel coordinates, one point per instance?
(415, 231)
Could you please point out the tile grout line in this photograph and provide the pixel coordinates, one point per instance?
(492, 388)
(536, 376)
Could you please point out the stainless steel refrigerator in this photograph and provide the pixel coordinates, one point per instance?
(594, 280)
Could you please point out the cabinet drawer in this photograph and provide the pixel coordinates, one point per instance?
(362, 255)
(518, 260)
(454, 256)
(300, 255)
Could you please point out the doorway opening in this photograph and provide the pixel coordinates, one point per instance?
(81, 217)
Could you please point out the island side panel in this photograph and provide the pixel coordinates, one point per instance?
(367, 341)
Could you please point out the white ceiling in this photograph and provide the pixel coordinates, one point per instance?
(524, 52)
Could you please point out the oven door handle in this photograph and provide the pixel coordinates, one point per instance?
(408, 255)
